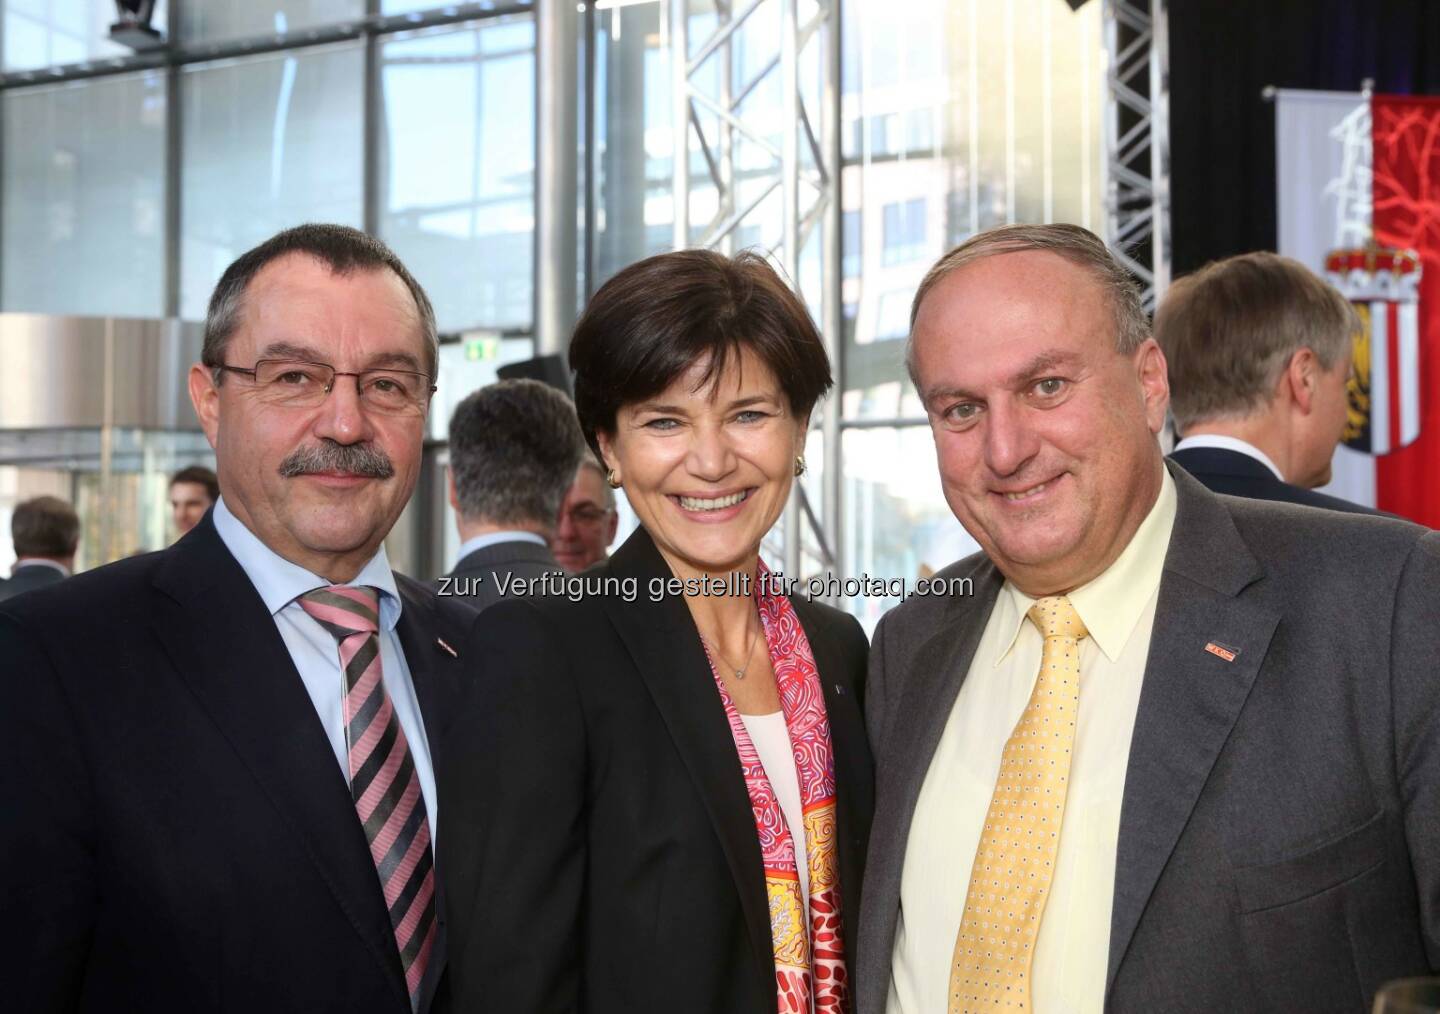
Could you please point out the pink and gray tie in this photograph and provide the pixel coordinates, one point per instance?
(383, 781)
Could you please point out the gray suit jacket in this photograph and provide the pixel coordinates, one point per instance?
(477, 578)
(28, 578)
(1279, 840)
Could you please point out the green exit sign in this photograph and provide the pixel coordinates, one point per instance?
(480, 349)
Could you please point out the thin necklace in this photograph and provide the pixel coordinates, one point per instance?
(739, 670)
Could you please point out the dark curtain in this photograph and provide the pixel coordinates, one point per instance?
(1222, 133)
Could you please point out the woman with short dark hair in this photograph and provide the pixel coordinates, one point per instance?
(659, 794)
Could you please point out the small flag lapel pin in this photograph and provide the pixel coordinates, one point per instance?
(1228, 654)
(441, 641)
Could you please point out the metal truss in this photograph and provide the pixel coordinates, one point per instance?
(1137, 141)
(802, 142)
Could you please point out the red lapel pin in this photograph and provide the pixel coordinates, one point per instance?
(1228, 654)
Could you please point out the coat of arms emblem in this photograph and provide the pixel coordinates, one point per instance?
(1384, 388)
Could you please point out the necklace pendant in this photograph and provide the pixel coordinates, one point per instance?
(739, 674)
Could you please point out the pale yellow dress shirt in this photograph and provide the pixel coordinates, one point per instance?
(1118, 609)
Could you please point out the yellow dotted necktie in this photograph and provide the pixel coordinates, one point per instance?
(1016, 858)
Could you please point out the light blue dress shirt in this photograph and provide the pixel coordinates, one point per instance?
(315, 651)
(494, 538)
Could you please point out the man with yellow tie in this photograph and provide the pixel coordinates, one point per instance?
(1177, 752)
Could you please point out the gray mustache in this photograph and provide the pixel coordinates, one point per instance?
(328, 456)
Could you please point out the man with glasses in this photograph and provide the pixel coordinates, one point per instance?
(588, 518)
(514, 447)
(216, 760)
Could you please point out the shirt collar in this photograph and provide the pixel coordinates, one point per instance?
(281, 582)
(1224, 443)
(35, 561)
(494, 538)
(1110, 606)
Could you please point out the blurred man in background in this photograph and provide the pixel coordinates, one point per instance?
(192, 492)
(514, 449)
(588, 518)
(1259, 351)
(46, 532)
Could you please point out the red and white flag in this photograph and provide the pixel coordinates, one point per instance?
(1358, 188)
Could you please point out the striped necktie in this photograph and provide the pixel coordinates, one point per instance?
(383, 781)
(1015, 861)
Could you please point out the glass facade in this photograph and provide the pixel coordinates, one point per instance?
(47, 33)
(82, 204)
(457, 179)
(267, 142)
(219, 20)
(954, 115)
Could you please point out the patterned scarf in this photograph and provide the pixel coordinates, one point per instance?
(809, 966)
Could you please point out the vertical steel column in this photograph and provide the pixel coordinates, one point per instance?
(174, 167)
(588, 109)
(373, 103)
(790, 215)
(725, 10)
(679, 26)
(832, 307)
(1160, 145)
(557, 25)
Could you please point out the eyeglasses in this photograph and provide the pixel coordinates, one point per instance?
(294, 383)
(587, 515)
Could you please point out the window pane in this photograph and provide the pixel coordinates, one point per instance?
(44, 33)
(212, 20)
(458, 176)
(896, 521)
(83, 197)
(964, 115)
(269, 142)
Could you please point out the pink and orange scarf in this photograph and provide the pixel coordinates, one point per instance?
(810, 969)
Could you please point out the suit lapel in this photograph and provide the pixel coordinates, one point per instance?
(437, 675)
(854, 788)
(904, 750)
(1190, 698)
(224, 644)
(919, 717)
(662, 640)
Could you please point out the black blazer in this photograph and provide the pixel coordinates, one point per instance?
(1224, 471)
(177, 835)
(28, 578)
(597, 830)
(476, 579)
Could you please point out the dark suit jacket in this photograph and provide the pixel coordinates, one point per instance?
(597, 829)
(28, 578)
(177, 835)
(476, 578)
(1279, 842)
(1223, 471)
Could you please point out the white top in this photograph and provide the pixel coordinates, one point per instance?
(1228, 444)
(772, 743)
(1072, 948)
